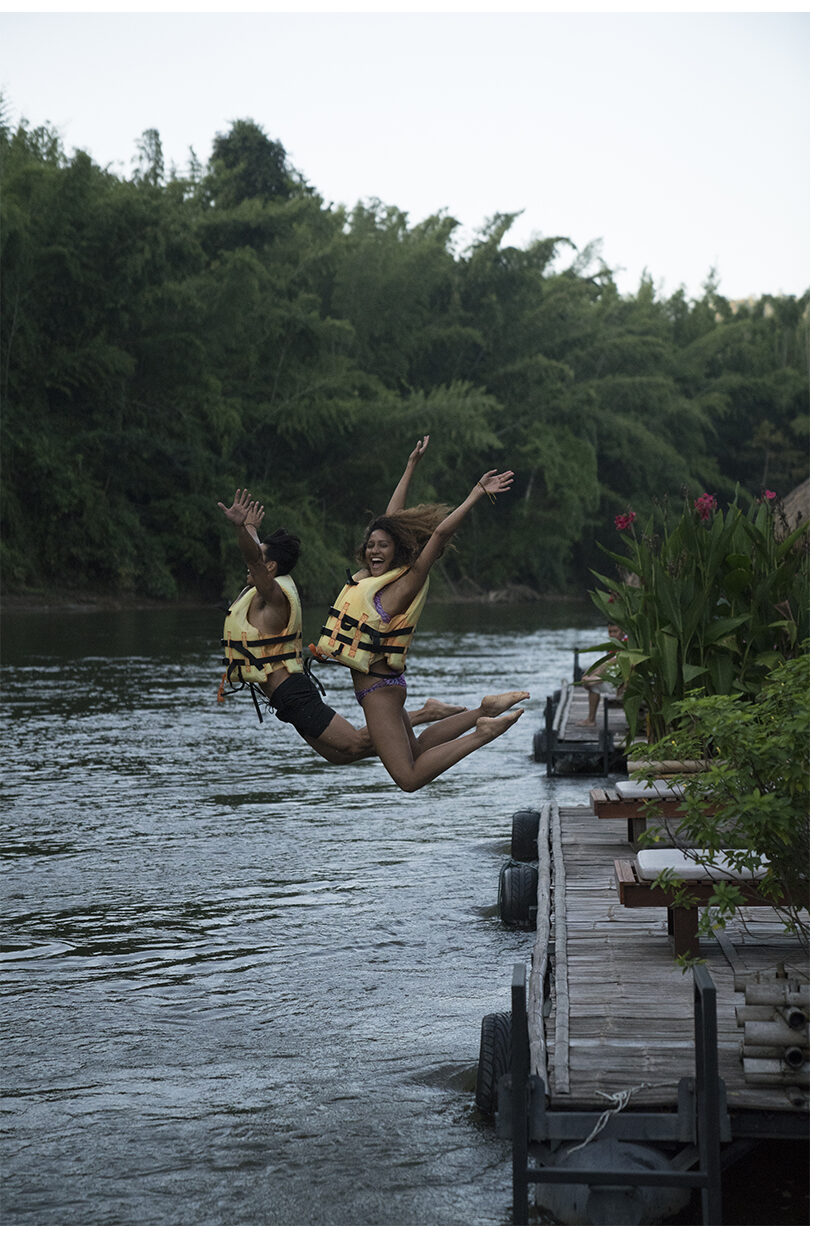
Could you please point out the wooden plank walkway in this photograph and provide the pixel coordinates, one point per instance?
(626, 1012)
(575, 717)
(571, 746)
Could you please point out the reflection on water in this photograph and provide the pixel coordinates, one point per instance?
(242, 986)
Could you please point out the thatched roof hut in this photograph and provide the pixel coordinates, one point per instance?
(797, 505)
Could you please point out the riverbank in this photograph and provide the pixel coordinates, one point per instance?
(87, 600)
(15, 603)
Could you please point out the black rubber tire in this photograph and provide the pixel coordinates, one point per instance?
(540, 745)
(517, 894)
(494, 1060)
(524, 841)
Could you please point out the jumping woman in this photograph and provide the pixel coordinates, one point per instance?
(371, 624)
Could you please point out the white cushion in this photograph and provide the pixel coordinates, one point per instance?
(650, 864)
(659, 790)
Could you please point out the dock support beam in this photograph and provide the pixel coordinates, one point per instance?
(707, 1093)
(520, 1065)
(528, 1126)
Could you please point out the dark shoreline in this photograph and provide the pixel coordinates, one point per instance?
(22, 603)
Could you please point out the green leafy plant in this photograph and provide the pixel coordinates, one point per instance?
(710, 603)
(750, 804)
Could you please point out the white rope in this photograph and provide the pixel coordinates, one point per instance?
(621, 1100)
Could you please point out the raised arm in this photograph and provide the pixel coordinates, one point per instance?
(399, 494)
(253, 520)
(397, 596)
(243, 514)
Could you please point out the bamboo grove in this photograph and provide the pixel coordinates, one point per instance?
(169, 336)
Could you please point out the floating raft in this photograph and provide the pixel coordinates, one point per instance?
(633, 1083)
(620, 1014)
(568, 746)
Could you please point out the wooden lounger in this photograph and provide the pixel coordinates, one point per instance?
(639, 811)
(682, 922)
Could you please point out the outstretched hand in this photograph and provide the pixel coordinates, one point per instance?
(418, 451)
(242, 504)
(255, 514)
(493, 482)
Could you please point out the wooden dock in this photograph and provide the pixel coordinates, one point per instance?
(620, 1011)
(568, 745)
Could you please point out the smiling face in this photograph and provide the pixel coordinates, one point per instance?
(379, 552)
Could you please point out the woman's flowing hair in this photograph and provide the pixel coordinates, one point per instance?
(410, 529)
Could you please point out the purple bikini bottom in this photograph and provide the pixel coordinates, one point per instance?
(395, 681)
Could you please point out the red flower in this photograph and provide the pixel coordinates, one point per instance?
(625, 520)
(705, 505)
(768, 494)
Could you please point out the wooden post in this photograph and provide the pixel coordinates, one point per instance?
(519, 1079)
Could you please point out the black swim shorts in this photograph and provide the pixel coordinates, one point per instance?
(298, 701)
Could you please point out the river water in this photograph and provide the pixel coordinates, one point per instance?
(244, 987)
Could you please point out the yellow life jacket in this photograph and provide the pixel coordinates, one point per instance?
(251, 657)
(354, 633)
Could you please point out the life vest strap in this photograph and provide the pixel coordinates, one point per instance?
(248, 658)
(348, 623)
(330, 661)
(264, 640)
(230, 687)
(346, 642)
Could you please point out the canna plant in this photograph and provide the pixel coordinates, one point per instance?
(710, 602)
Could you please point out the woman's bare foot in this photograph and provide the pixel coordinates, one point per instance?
(492, 706)
(433, 711)
(585, 722)
(491, 728)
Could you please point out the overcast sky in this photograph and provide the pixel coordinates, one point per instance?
(679, 140)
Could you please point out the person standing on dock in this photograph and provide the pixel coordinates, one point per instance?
(598, 683)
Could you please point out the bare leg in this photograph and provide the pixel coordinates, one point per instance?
(432, 710)
(384, 711)
(342, 743)
(593, 703)
(450, 728)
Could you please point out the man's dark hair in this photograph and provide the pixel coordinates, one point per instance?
(284, 548)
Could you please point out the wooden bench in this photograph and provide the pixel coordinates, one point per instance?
(639, 811)
(682, 922)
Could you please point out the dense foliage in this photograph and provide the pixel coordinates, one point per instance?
(168, 337)
(751, 803)
(709, 602)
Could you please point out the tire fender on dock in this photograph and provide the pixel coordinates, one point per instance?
(494, 1059)
(524, 837)
(518, 885)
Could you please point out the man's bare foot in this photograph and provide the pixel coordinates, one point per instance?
(585, 722)
(433, 711)
(492, 706)
(491, 728)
